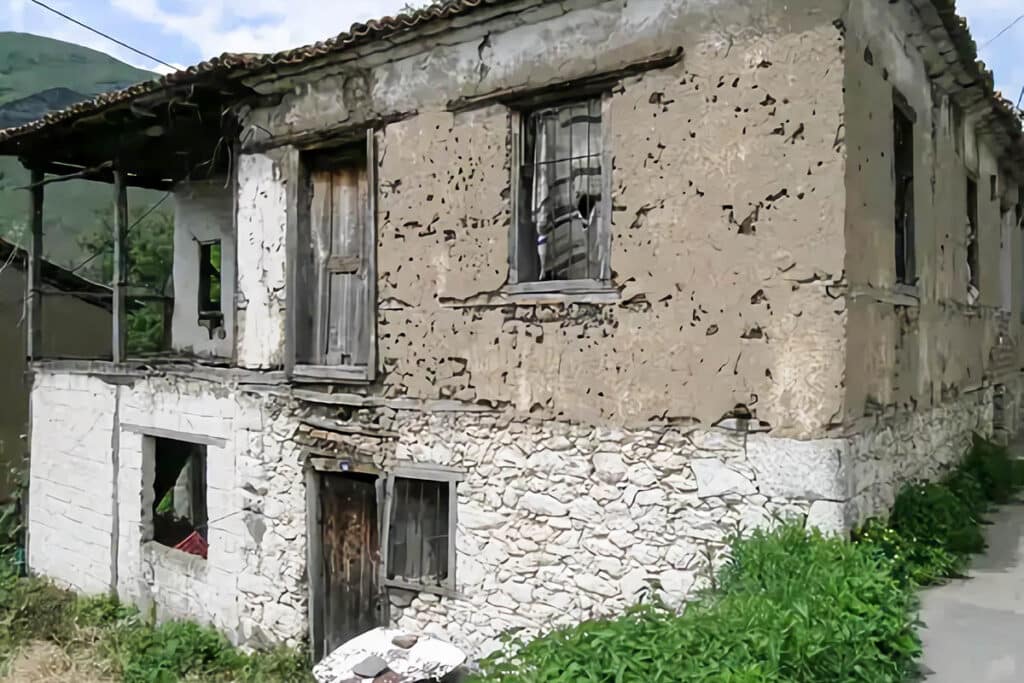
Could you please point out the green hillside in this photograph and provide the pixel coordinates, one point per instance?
(38, 74)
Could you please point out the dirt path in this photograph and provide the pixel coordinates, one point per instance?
(40, 662)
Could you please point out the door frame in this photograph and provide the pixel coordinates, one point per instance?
(317, 467)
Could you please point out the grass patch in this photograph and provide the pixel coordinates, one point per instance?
(119, 643)
(790, 605)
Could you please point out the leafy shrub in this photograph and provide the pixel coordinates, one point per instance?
(965, 486)
(792, 607)
(997, 472)
(916, 564)
(932, 515)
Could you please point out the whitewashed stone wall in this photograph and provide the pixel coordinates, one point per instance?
(70, 508)
(558, 523)
(251, 586)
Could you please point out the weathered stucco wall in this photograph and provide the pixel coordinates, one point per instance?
(914, 352)
(728, 197)
(202, 212)
(262, 220)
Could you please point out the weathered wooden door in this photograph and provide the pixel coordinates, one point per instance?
(351, 557)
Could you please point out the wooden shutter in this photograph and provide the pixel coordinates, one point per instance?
(341, 219)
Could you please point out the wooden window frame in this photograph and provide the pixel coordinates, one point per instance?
(298, 203)
(436, 474)
(908, 264)
(518, 114)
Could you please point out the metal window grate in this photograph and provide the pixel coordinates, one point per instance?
(419, 535)
(562, 172)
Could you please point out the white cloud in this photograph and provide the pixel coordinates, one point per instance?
(217, 26)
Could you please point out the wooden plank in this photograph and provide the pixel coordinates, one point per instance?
(34, 342)
(320, 210)
(120, 276)
(344, 265)
(370, 254)
(314, 564)
(604, 226)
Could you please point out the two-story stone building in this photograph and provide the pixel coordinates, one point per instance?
(489, 315)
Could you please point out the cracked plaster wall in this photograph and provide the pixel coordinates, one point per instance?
(914, 356)
(728, 195)
(262, 220)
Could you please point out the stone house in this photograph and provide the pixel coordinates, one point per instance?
(489, 315)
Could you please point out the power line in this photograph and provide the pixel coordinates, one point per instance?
(987, 42)
(127, 232)
(105, 35)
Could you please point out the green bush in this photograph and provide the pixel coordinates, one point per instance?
(932, 515)
(998, 473)
(791, 607)
(916, 564)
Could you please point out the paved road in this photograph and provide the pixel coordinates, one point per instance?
(975, 627)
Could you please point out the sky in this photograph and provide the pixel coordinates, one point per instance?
(183, 32)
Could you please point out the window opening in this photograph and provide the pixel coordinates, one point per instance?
(209, 280)
(561, 181)
(179, 496)
(903, 161)
(973, 279)
(420, 544)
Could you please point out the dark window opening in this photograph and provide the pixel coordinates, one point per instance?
(993, 187)
(179, 496)
(419, 537)
(561, 181)
(973, 269)
(209, 280)
(958, 127)
(903, 166)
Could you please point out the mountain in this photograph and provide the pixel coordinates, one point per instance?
(39, 75)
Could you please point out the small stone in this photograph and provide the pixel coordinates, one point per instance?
(559, 443)
(405, 641)
(371, 667)
(541, 504)
(715, 478)
(643, 476)
(585, 508)
(595, 584)
(650, 497)
(609, 467)
(622, 538)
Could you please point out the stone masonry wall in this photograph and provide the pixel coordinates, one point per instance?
(251, 587)
(558, 523)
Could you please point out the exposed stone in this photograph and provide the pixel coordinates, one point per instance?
(541, 504)
(715, 478)
(594, 584)
(828, 516)
(809, 470)
(609, 467)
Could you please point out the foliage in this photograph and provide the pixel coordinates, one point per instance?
(125, 645)
(791, 606)
(914, 564)
(933, 515)
(998, 474)
(150, 265)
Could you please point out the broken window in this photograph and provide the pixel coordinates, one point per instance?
(903, 168)
(179, 495)
(973, 270)
(209, 281)
(421, 523)
(335, 261)
(562, 203)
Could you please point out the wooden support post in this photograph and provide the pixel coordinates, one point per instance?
(34, 293)
(120, 277)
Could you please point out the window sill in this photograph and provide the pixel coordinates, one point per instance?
(349, 374)
(558, 292)
(443, 591)
(897, 295)
(164, 555)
